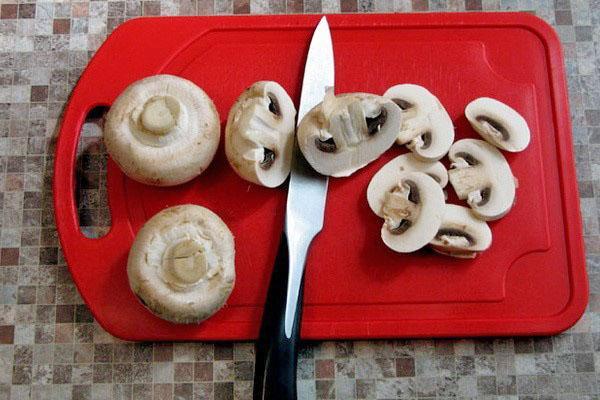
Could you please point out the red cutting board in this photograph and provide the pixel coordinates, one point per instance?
(531, 281)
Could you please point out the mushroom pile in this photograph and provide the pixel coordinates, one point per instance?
(164, 130)
(408, 191)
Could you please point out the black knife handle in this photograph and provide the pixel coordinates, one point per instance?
(276, 354)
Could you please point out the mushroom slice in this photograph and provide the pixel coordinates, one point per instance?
(413, 212)
(162, 130)
(344, 133)
(480, 174)
(461, 234)
(498, 124)
(259, 137)
(386, 179)
(426, 128)
(181, 264)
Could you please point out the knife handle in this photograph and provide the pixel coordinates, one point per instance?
(276, 354)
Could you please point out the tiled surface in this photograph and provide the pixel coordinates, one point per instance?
(50, 346)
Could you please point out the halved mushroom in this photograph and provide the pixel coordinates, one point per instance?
(346, 132)
(461, 234)
(386, 179)
(259, 137)
(426, 129)
(480, 174)
(181, 264)
(413, 212)
(162, 130)
(498, 124)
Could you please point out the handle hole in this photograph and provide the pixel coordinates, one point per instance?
(90, 194)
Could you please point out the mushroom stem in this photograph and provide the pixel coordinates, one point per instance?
(397, 207)
(466, 181)
(159, 114)
(186, 262)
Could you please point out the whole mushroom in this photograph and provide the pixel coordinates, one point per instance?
(346, 132)
(480, 174)
(426, 128)
(413, 212)
(259, 137)
(461, 235)
(387, 178)
(162, 130)
(181, 264)
(498, 124)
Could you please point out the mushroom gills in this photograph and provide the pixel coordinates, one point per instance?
(493, 127)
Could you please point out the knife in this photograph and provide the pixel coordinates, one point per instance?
(277, 347)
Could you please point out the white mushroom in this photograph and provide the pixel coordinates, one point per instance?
(181, 264)
(412, 211)
(344, 133)
(162, 130)
(480, 174)
(426, 129)
(498, 123)
(259, 138)
(387, 178)
(461, 234)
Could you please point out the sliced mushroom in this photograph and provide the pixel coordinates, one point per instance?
(461, 234)
(344, 133)
(162, 130)
(480, 174)
(259, 137)
(181, 264)
(386, 179)
(426, 129)
(498, 124)
(413, 212)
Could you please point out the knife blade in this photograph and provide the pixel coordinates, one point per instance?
(276, 351)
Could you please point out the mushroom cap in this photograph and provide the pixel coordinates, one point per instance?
(259, 137)
(498, 124)
(344, 133)
(413, 212)
(481, 175)
(426, 128)
(181, 264)
(461, 234)
(388, 176)
(162, 130)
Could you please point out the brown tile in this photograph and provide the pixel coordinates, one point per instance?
(9, 256)
(44, 334)
(142, 352)
(80, 9)
(365, 388)
(223, 351)
(83, 314)
(26, 10)
(7, 334)
(241, 6)
(63, 333)
(142, 372)
(31, 200)
(13, 183)
(26, 295)
(46, 294)
(163, 391)
(122, 373)
(183, 391)
(203, 371)
(21, 375)
(39, 93)
(405, 366)
(61, 26)
(324, 369)
(62, 373)
(151, 8)
(523, 345)
(48, 256)
(8, 11)
(325, 389)
(244, 370)
(142, 391)
(473, 5)
(563, 17)
(81, 392)
(45, 313)
(295, 6)
(223, 390)
(103, 353)
(23, 355)
(163, 352)
(123, 352)
(420, 5)
(184, 372)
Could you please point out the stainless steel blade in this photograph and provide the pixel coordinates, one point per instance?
(307, 189)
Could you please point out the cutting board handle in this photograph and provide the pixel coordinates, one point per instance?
(64, 186)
